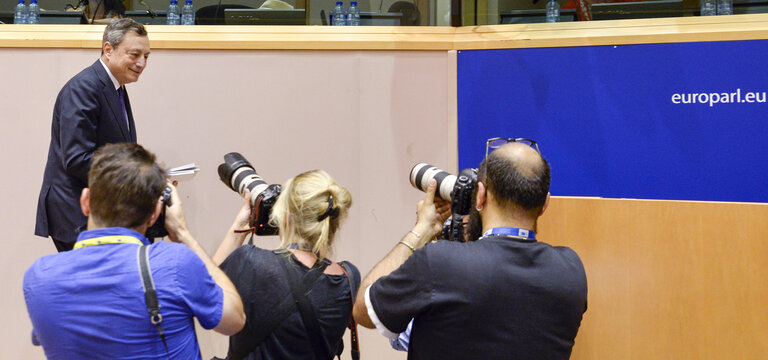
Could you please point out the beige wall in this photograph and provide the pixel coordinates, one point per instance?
(365, 117)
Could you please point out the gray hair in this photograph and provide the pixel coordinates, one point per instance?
(115, 31)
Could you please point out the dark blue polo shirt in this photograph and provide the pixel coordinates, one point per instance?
(88, 303)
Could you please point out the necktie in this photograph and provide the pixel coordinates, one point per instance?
(121, 94)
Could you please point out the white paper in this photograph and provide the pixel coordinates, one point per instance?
(188, 169)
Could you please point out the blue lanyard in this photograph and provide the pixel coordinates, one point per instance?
(512, 232)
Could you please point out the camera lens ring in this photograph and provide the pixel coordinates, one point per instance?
(421, 173)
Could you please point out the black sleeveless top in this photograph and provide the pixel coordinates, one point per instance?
(273, 328)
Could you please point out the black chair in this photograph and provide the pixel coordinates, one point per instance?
(214, 14)
(411, 14)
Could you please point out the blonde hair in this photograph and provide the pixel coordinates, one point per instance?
(303, 215)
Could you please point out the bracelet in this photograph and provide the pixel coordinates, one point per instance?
(418, 236)
(409, 246)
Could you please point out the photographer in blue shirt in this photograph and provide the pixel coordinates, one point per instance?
(89, 303)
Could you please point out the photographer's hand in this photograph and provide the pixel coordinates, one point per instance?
(233, 240)
(233, 316)
(430, 215)
(175, 222)
(242, 217)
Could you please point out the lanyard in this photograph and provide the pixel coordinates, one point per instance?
(111, 235)
(103, 236)
(111, 239)
(513, 233)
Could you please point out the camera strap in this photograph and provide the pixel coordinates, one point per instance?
(300, 287)
(150, 294)
(355, 351)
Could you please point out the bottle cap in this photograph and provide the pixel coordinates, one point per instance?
(354, 3)
(189, 2)
(21, 1)
(339, 3)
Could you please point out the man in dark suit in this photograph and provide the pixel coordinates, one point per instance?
(92, 109)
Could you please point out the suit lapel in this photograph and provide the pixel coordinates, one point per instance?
(109, 92)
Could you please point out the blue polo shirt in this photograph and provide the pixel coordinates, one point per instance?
(88, 303)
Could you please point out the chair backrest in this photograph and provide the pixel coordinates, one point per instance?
(411, 14)
(214, 14)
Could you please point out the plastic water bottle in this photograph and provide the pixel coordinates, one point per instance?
(188, 13)
(724, 7)
(173, 17)
(553, 11)
(20, 13)
(33, 12)
(353, 14)
(708, 8)
(339, 18)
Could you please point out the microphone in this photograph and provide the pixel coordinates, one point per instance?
(151, 12)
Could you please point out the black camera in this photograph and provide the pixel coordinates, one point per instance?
(237, 173)
(458, 189)
(157, 230)
(453, 229)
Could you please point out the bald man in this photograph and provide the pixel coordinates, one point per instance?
(505, 295)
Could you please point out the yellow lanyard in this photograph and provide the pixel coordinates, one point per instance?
(112, 239)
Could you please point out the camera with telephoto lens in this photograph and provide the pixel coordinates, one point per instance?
(237, 173)
(458, 189)
(157, 230)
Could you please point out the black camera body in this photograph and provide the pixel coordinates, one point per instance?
(262, 208)
(453, 229)
(463, 191)
(238, 174)
(458, 189)
(157, 230)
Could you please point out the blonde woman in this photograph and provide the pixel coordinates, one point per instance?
(278, 287)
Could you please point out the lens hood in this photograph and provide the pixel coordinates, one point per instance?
(232, 162)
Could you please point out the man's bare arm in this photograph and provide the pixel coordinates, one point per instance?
(431, 213)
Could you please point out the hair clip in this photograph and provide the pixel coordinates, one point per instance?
(330, 211)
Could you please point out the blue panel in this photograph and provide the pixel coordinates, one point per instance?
(605, 119)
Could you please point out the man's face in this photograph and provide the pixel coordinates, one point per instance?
(128, 60)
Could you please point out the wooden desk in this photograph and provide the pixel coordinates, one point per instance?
(614, 32)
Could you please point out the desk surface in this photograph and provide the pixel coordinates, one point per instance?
(49, 17)
(609, 32)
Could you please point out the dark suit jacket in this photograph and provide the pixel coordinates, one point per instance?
(86, 116)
